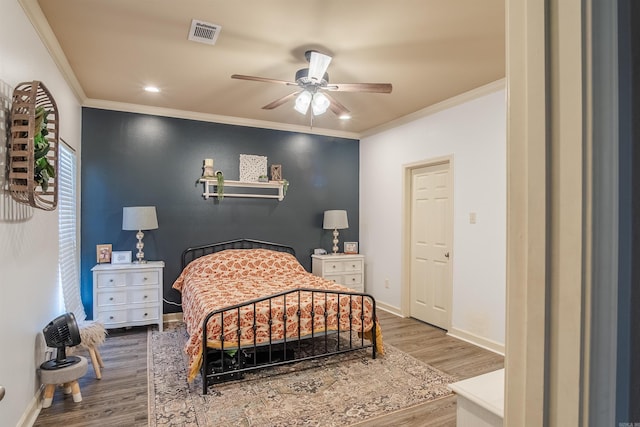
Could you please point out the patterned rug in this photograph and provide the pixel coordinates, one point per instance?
(336, 391)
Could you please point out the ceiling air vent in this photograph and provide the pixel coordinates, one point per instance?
(204, 32)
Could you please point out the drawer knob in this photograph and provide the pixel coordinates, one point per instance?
(144, 278)
(145, 297)
(354, 266)
(110, 280)
(110, 317)
(333, 266)
(111, 299)
(146, 314)
(353, 279)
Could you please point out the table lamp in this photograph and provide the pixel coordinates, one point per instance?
(335, 220)
(139, 218)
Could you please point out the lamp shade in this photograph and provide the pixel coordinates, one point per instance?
(139, 218)
(335, 220)
(320, 103)
(302, 102)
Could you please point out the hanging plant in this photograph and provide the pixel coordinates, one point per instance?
(220, 185)
(43, 170)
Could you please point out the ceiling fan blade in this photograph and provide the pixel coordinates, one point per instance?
(360, 87)
(263, 79)
(337, 108)
(318, 64)
(278, 102)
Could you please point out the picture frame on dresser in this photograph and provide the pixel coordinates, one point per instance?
(103, 253)
(121, 257)
(350, 247)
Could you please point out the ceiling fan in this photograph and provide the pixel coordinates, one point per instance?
(313, 84)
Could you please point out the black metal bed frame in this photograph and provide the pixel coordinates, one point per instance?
(231, 361)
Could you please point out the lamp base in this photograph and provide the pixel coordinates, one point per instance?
(139, 246)
(335, 242)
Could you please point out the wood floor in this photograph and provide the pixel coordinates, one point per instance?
(120, 397)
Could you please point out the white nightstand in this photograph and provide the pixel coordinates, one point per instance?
(345, 269)
(128, 294)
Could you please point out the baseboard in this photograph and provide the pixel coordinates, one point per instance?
(477, 340)
(389, 308)
(33, 410)
(172, 317)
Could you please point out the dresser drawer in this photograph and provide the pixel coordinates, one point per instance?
(352, 280)
(331, 267)
(350, 266)
(137, 296)
(112, 318)
(349, 280)
(143, 278)
(110, 280)
(108, 298)
(335, 278)
(143, 313)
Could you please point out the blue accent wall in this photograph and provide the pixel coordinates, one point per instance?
(131, 159)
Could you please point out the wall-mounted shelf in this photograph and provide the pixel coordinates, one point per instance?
(268, 190)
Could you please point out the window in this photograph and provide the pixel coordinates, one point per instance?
(68, 258)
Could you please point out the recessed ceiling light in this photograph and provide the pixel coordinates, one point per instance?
(152, 89)
(344, 117)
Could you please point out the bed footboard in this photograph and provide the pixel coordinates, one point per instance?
(284, 328)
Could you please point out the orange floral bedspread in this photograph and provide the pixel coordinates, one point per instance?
(234, 276)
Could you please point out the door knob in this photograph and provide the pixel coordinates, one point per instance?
(1, 392)
(446, 255)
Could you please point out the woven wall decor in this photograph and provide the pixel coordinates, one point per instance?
(33, 147)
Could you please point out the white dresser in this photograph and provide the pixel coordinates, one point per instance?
(128, 294)
(345, 269)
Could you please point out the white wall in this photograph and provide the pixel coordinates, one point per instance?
(474, 133)
(28, 237)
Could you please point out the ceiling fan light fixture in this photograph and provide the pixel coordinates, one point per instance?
(319, 104)
(302, 102)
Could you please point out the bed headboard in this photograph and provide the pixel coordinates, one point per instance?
(193, 253)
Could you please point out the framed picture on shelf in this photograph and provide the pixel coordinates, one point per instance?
(103, 253)
(121, 257)
(350, 247)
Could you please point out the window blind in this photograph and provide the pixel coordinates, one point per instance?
(68, 258)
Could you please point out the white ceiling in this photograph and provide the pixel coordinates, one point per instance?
(429, 50)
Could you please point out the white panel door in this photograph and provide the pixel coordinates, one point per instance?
(431, 231)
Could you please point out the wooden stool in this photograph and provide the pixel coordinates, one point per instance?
(92, 335)
(68, 376)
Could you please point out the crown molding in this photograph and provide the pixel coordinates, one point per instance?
(440, 106)
(204, 117)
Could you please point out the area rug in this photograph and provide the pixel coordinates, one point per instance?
(335, 391)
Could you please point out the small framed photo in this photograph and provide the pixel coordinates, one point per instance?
(121, 257)
(103, 253)
(350, 247)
